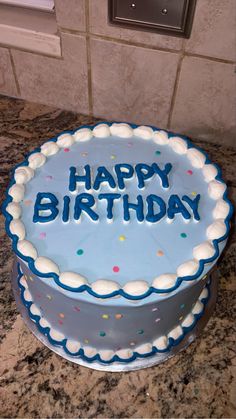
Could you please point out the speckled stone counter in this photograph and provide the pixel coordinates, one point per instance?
(35, 382)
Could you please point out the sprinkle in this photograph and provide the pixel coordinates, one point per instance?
(194, 193)
(140, 332)
(86, 341)
(49, 297)
(157, 320)
(118, 316)
(105, 316)
(181, 318)
(183, 235)
(48, 177)
(66, 150)
(84, 154)
(80, 252)
(31, 278)
(160, 253)
(77, 309)
(60, 322)
(113, 157)
(62, 315)
(190, 172)
(122, 238)
(102, 334)
(154, 309)
(130, 144)
(116, 269)
(132, 343)
(42, 235)
(157, 153)
(28, 202)
(182, 306)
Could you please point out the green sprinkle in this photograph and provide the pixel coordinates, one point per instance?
(80, 252)
(158, 153)
(140, 332)
(184, 235)
(102, 334)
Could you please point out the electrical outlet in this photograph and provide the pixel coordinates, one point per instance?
(171, 17)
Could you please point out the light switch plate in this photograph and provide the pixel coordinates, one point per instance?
(169, 17)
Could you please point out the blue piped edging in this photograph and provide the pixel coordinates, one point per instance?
(46, 332)
(120, 292)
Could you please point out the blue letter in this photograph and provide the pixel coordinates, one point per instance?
(151, 217)
(143, 175)
(193, 203)
(175, 207)
(74, 178)
(66, 209)
(163, 173)
(103, 176)
(137, 207)
(80, 206)
(127, 173)
(110, 197)
(45, 206)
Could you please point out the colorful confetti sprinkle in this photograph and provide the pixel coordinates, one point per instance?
(154, 309)
(42, 235)
(66, 150)
(86, 341)
(61, 315)
(31, 278)
(84, 154)
(157, 153)
(28, 202)
(130, 144)
(194, 193)
(49, 297)
(60, 322)
(118, 316)
(77, 309)
(160, 253)
(122, 238)
(182, 306)
(157, 320)
(80, 252)
(181, 318)
(48, 177)
(105, 316)
(113, 157)
(132, 343)
(102, 334)
(190, 172)
(183, 235)
(140, 332)
(116, 269)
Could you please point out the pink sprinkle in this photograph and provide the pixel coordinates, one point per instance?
(190, 172)
(42, 235)
(115, 268)
(77, 309)
(60, 321)
(130, 144)
(49, 177)
(66, 150)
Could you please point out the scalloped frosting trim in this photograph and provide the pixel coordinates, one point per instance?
(90, 354)
(206, 252)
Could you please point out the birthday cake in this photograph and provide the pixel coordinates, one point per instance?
(115, 230)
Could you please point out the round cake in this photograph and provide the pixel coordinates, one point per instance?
(116, 229)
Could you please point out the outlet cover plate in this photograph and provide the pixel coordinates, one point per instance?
(169, 17)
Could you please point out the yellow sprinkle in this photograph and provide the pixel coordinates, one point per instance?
(49, 297)
(86, 341)
(181, 318)
(122, 238)
(31, 279)
(194, 193)
(105, 316)
(113, 157)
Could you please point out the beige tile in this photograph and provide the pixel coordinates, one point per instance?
(7, 80)
(71, 14)
(214, 31)
(60, 83)
(98, 12)
(205, 104)
(132, 83)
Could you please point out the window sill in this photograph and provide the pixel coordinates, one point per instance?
(29, 30)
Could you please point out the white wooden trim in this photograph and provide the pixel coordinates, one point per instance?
(46, 5)
(30, 40)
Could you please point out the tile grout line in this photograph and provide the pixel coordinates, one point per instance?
(176, 85)
(89, 66)
(14, 73)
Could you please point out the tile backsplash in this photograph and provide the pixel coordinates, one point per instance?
(186, 86)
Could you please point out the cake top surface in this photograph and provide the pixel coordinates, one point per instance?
(116, 208)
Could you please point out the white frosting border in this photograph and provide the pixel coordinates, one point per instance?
(45, 267)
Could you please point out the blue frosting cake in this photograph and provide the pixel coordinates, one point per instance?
(116, 228)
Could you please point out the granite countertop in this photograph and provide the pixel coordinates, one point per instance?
(35, 382)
